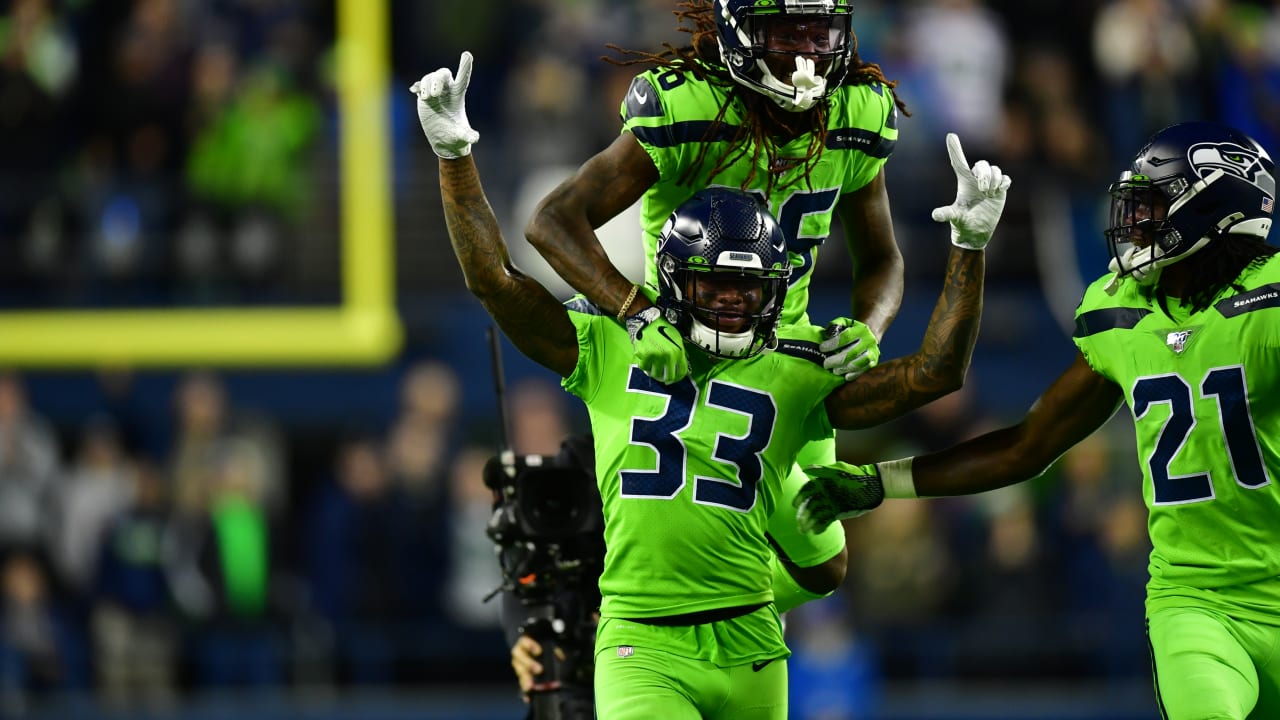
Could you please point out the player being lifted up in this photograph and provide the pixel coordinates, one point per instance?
(770, 97)
(1185, 330)
(689, 471)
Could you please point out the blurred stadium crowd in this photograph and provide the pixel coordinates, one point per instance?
(171, 532)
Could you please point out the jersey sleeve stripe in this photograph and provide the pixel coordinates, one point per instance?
(868, 141)
(679, 133)
(1267, 296)
(803, 349)
(1096, 321)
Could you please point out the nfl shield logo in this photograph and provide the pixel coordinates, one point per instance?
(1177, 341)
(626, 651)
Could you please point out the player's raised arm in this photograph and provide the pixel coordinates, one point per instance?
(529, 315)
(940, 364)
(562, 227)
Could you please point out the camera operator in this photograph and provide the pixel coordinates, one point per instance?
(526, 653)
(548, 523)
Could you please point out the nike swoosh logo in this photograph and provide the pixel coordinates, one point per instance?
(643, 97)
(663, 332)
(758, 665)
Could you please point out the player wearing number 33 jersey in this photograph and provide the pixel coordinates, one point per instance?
(691, 469)
(694, 464)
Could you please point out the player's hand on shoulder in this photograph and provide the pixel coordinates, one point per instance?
(836, 492)
(442, 109)
(848, 348)
(659, 349)
(980, 195)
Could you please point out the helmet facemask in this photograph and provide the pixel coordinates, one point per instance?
(728, 312)
(1139, 234)
(722, 272)
(1192, 185)
(796, 55)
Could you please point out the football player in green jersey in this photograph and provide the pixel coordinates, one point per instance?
(690, 471)
(770, 97)
(1185, 330)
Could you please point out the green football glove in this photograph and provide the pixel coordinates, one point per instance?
(836, 492)
(849, 348)
(658, 345)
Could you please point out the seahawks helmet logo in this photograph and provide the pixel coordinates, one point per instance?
(1232, 159)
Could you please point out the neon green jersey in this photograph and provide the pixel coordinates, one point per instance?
(1203, 390)
(689, 473)
(670, 112)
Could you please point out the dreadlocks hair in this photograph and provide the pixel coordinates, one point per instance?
(701, 59)
(1219, 266)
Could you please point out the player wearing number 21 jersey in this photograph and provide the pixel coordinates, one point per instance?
(1185, 331)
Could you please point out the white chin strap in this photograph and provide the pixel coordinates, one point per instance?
(720, 343)
(806, 87)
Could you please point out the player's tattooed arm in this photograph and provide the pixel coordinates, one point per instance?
(938, 367)
(534, 320)
(563, 226)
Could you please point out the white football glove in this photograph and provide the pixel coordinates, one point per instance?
(848, 348)
(980, 193)
(442, 111)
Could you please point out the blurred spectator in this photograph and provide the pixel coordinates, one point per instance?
(362, 558)
(1009, 595)
(97, 488)
(40, 652)
(425, 430)
(1145, 51)
(29, 465)
(204, 424)
(248, 170)
(236, 557)
(135, 626)
(1249, 83)
(902, 579)
(38, 63)
(473, 566)
(1103, 545)
(539, 417)
(962, 52)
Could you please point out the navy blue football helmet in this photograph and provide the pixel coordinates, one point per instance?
(796, 31)
(1192, 184)
(722, 272)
